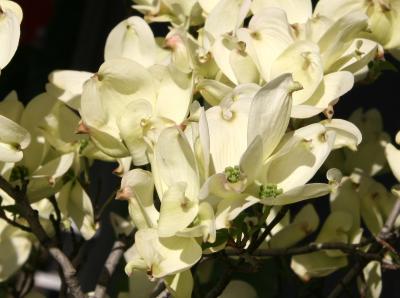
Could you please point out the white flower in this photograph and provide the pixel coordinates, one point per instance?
(393, 157)
(10, 20)
(384, 18)
(125, 101)
(15, 246)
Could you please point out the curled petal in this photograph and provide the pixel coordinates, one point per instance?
(347, 134)
(13, 138)
(270, 112)
(298, 194)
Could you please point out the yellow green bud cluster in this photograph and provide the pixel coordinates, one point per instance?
(233, 174)
(269, 190)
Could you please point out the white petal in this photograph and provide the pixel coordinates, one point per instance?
(15, 252)
(301, 163)
(304, 223)
(59, 128)
(252, 160)
(221, 51)
(298, 194)
(173, 206)
(109, 144)
(336, 40)
(131, 125)
(206, 225)
(228, 133)
(333, 86)
(175, 162)
(298, 11)
(13, 138)
(316, 264)
(243, 66)
(80, 209)
(9, 31)
(67, 86)
(338, 8)
(223, 18)
(270, 112)
(138, 186)
(166, 256)
(303, 61)
(269, 34)
(347, 134)
(46, 180)
(132, 39)
(358, 55)
(213, 91)
(105, 95)
(346, 199)
(372, 281)
(393, 157)
(180, 285)
(228, 209)
(174, 94)
(11, 107)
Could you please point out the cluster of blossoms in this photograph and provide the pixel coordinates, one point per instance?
(234, 112)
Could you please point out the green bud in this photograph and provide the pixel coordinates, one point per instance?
(269, 190)
(233, 174)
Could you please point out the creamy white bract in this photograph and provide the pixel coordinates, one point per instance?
(224, 116)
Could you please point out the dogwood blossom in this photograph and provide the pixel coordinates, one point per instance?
(10, 21)
(216, 127)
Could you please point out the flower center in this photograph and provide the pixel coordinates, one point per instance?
(269, 190)
(233, 174)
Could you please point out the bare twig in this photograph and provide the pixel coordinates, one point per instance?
(223, 281)
(32, 217)
(13, 223)
(311, 247)
(120, 246)
(256, 244)
(164, 294)
(103, 207)
(384, 235)
(389, 224)
(158, 288)
(56, 220)
(389, 266)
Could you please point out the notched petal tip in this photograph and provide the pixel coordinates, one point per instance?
(82, 128)
(329, 112)
(124, 194)
(396, 191)
(98, 77)
(295, 86)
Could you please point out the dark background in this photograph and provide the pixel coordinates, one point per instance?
(71, 34)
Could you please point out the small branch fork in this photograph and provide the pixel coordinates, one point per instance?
(254, 245)
(310, 248)
(32, 217)
(376, 248)
(120, 246)
(53, 245)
